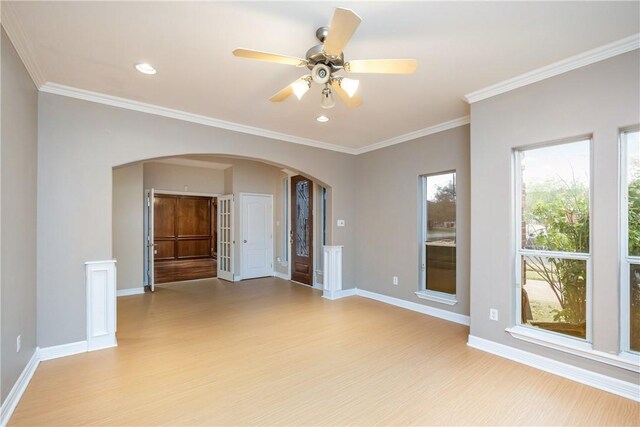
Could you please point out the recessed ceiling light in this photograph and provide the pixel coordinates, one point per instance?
(322, 119)
(145, 68)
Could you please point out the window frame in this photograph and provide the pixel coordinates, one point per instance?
(625, 258)
(423, 292)
(531, 333)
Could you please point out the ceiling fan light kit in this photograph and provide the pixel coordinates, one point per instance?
(326, 59)
(349, 85)
(327, 100)
(300, 87)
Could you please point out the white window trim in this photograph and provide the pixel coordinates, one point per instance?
(574, 346)
(436, 296)
(542, 337)
(625, 259)
(423, 292)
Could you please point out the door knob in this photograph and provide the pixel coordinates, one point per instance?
(244, 241)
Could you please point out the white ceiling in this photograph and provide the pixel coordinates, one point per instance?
(461, 47)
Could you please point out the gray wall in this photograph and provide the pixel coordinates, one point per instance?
(128, 202)
(598, 100)
(388, 199)
(162, 176)
(79, 144)
(128, 225)
(17, 215)
(251, 177)
(278, 229)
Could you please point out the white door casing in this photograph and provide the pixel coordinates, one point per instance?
(225, 237)
(256, 235)
(150, 247)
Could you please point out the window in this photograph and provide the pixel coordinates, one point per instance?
(438, 242)
(630, 324)
(553, 238)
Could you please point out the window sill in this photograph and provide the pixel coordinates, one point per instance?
(440, 297)
(576, 347)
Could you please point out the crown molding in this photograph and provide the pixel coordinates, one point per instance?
(12, 26)
(461, 121)
(157, 110)
(113, 101)
(589, 57)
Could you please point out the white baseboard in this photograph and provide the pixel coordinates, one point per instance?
(56, 351)
(593, 379)
(334, 295)
(282, 276)
(131, 291)
(424, 309)
(18, 389)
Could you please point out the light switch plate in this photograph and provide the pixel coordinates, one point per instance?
(340, 223)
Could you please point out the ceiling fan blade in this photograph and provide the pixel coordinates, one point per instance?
(289, 90)
(282, 95)
(382, 66)
(352, 102)
(270, 57)
(343, 25)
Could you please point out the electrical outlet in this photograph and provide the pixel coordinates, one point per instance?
(395, 280)
(18, 343)
(493, 314)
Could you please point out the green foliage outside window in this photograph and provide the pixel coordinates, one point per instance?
(559, 213)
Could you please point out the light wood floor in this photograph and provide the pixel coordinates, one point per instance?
(269, 352)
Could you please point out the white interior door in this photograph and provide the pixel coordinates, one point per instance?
(257, 235)
(225, 237)
(149, 241)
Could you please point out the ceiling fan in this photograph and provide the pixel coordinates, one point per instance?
(326, 59)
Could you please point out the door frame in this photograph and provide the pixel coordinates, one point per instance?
(241, 196)
(148, 259)
(314, 241)
(316, 235)
(147, 218)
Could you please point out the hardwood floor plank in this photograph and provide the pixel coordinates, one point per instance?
(187, 269)
(268, 352)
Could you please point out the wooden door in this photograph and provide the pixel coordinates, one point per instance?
(302, 230)
(193, 228)
(182, 227)
(164, 226)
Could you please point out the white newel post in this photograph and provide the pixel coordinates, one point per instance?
(332, 271)
(101, 304)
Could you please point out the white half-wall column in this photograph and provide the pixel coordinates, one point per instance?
(332, 274)
(101, 304)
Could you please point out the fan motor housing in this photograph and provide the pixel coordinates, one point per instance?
(321, 73)
(316, 55)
